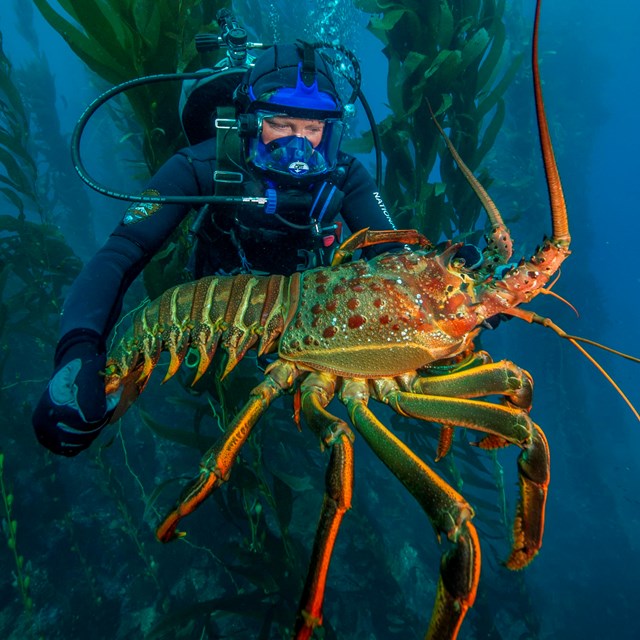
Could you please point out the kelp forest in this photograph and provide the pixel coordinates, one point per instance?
(79, 554)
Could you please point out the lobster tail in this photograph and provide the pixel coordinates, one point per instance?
(237, 313)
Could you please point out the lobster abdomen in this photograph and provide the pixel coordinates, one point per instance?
(237, 312)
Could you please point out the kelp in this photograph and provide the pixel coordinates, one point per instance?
(68, 201)
(36, 262)
(29, 125)
(124, 39)
(19, 184)
(451, 57)
(10, 527)
(248, 604)
(39, 264)
(175, 434)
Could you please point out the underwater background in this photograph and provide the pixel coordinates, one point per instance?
(78, 558)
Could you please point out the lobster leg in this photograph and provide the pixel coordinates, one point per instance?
(501, 378)
(316, 392)
(483, 378)
(528, 526)
(368, 237)
(216, 463)
(447, 510)
(502, 423)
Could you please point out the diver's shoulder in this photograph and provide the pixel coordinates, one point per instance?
(345, 158)
(350, 164)
(202, 152)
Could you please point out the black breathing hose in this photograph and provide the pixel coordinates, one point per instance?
(78, 165)
(81, 170)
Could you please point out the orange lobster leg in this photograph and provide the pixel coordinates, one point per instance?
(528, 527)
(447, 510)
(368, 237)
(316, 392)
(216, 463)
(503, 424)
(500, 378)
(336, 502)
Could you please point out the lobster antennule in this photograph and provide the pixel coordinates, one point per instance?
(498, 239)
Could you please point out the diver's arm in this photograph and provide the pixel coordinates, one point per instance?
(73, 408)
(95, 299)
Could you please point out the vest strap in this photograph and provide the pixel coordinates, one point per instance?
(226, 177)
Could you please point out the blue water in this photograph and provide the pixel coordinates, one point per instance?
(81, 548)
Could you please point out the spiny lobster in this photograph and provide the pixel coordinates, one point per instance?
(376, 329)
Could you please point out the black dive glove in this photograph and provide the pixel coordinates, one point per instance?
(73, 408)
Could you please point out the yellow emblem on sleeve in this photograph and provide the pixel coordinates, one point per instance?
(141, 210)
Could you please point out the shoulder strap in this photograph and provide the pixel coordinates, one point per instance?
(328, 195)
(227, 178)
(326, 203)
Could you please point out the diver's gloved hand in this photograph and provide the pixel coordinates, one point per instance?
(73, 408)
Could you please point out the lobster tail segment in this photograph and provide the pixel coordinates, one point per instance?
(254, 314)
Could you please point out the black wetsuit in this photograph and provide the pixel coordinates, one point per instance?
(267, 244)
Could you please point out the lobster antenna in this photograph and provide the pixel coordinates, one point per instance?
(601, 369)
(563, 334)
(489, 205)
(532, 317)
(559, 219)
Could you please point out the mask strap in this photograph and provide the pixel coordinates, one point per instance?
(308, 71)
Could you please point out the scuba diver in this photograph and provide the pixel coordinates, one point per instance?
(284, 141)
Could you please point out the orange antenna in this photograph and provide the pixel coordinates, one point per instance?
(530, 316)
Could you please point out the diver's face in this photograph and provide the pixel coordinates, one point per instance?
(282, 126)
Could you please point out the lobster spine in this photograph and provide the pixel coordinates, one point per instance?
(236, 312)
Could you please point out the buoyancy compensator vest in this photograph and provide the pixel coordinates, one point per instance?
(302, 234)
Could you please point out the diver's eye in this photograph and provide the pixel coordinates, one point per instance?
(277, 126)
